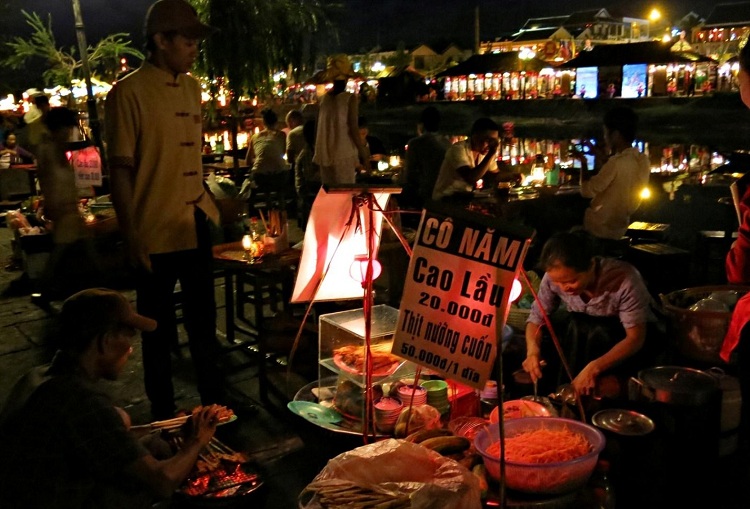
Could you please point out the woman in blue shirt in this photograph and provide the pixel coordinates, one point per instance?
(610, 312)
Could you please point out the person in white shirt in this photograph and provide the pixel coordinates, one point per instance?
(468, 161)
(615, 189)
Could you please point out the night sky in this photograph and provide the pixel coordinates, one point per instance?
(365, 23)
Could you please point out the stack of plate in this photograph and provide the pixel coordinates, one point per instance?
(405, 393)
(387, 411)
(437, 395)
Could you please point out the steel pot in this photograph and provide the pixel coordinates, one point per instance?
(673, 385)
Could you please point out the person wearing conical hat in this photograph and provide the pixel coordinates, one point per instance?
(339, 150)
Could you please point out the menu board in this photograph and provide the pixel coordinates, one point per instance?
(456, 293)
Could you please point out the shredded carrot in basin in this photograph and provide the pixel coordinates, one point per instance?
(542, 446)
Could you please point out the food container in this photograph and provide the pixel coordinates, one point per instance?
(699, 334)
(623, 422)
(542, 478)
(673, 385)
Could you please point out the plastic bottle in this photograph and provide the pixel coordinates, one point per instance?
(489, 398)
(256, 229)
(604, 493)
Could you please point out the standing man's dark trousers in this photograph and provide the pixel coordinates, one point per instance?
(155, 293)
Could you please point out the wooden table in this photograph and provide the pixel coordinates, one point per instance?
(270, 272)
(30, 171)
(227, 169)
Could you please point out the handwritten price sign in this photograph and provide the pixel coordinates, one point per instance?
(456, 293)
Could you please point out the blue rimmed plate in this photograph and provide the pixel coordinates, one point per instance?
(315, 413)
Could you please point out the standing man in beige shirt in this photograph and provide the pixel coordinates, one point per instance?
(153, 126)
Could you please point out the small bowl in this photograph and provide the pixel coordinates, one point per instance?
(435, 386)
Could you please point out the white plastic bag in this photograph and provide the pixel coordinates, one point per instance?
(398, 469)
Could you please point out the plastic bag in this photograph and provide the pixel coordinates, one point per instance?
(399, 470)
(416, 418)
(16, 220)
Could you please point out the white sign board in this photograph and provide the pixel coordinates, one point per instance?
(456, 294)
(336, 232)
(87, 166)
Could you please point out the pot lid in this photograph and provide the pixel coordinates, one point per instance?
(623, 422)
(678, 379)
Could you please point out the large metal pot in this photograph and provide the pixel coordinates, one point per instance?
(673, 385)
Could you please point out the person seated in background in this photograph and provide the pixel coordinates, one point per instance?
(70, 445)
(612, 327)
(295, 140)
(468, 161)
(615, 190)
(265, 156)
(371, 143)
(306, 174)
(424, 155)
(12, 153)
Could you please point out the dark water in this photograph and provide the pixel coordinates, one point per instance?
(721, 123)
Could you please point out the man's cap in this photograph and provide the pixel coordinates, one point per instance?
(175, 16)
(95, 311)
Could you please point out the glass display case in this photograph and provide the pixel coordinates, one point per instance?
(342, 357)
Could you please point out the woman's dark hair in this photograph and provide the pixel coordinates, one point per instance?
(623, 120)
(269, 117)
(7, 134)
(61, 117)
(745, 57)
(571, 249)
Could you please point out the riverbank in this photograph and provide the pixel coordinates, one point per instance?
(719, 121)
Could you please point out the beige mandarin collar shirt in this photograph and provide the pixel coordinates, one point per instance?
(153, 124)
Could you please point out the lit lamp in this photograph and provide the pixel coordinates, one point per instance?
(394, 161)
(358, 268)
(515, 290)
